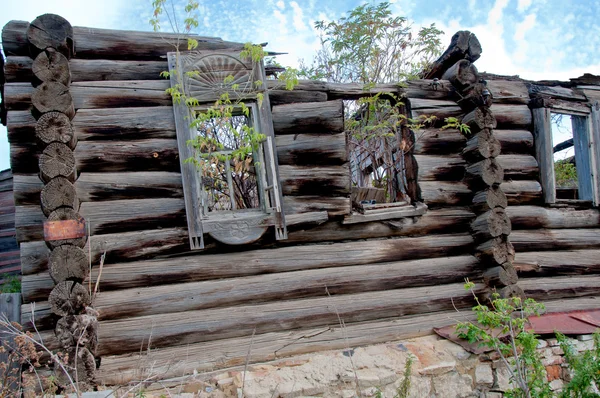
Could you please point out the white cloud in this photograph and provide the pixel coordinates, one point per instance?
(280, 4)
(298, 17)
(525, 26)
(523, 5)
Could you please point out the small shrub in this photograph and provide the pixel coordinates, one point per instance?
(11, 284)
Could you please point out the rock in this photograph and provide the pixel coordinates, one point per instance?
(556, 385)
(454, 349)
(552, 360)
(542, 344)
(553, 372)
(453, 384)
(419, 387)
(438, 368)
(503, 378)
(585, 337)
(484, 375)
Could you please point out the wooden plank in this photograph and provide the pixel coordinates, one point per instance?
(10, 307)
(163, 299)
(595, 148)
(543, 151)
(334, 206)
(581, 138)
(536, 217)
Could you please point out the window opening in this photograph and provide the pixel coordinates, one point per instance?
(230, 168)
(571, 156)
(377, 152)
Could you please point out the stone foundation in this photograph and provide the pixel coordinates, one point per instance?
(440, 368)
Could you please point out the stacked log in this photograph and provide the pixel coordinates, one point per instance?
(483, 170)
(50, 39)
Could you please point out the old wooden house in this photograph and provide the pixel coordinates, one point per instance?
(319, 260)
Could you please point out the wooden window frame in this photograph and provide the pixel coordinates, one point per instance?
(236, 226)
(586, 137)
(393, 210)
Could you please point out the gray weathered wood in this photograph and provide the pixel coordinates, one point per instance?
(491, 224)
(312, 149)
(515, 141)
(108, 43)
(10, 304)
(534, 217)
(595, 147)
(50, 30)
(313, 118)
(315, 180)
(544, 154)
(191, 296)
(542, 289)
(552, 263)
(120, 336)
(555, 239)
(51, 65)
(581, 137)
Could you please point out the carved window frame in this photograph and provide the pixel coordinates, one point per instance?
(207, 84)
(396, 210)
(586, 136)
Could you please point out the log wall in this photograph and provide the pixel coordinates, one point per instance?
(283, 295)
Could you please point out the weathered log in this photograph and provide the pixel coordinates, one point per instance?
(544, 154)
(116, 276)
(488, 199)
(107, 217)
(543, 289)
(50, 30)
(485, 173)
(512, 291)
(68, 263)
(313, 118)
(59, 192)
(120, 336)
(57, 160)
(62, 214)
(463, 45)
(519, 167)
(440, 168)
(482, 145)
(462, 74)
(51, 66)
(491, 224)
(78, 330)
(81, 366)
(442, 194)
(544, 91)
(53, 97)
(500, 276)
(441, 109)
(513, 116)
(508, 92)
(479, 119)
(536, 217)
(55, 127)
(312, 149)
(282, 97)
(515, 141)
(334, 206)
(316, 180)
(555, 263)
(233, 353)
(496, 251)
(120, 247)
(68, 298)
(107, 43)
(555, 239)
(432, 141)
(522, 192)
(474, 96)
(274, 287)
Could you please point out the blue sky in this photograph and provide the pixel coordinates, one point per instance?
(536, 39)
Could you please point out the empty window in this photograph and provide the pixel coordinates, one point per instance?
(565, 154)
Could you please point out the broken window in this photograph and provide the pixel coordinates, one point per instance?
(566, 154)
(382, 168)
